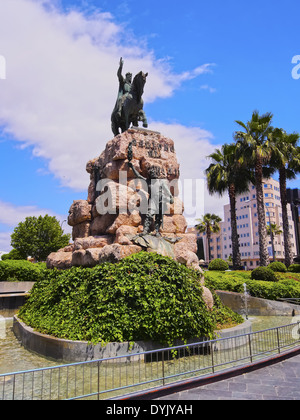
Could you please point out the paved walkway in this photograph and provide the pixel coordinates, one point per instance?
(280, 381)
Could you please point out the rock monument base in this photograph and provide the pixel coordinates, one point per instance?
(116, 234)
(108, 226)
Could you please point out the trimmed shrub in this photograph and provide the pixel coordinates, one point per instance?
(21, 270)
(263, 273)
(218, 265)
(278, 267)
(294, 268)
(233, 282)
(143, 297)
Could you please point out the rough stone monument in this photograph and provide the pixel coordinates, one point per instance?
(110, 224)
(132, 201)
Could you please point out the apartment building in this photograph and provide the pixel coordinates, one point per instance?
(293, 197)
(247, 224)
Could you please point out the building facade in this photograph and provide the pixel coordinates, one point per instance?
(247, 225)
(293, 197)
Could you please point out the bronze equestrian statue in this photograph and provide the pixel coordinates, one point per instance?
(129, 105)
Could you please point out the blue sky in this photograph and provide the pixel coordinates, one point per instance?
(209, 64)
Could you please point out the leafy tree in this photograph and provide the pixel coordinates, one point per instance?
(286, 159)
(209, 223)
(226, 173)
(38, 237)
(256, 143)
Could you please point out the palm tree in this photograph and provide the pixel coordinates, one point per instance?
(273, 228)
(226, 173)
(257, 146)
(285, 158)
(208, 224)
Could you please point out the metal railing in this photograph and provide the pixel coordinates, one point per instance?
(114, 377)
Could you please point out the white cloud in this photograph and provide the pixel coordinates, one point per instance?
(5, 242)
(192, 146)
(209, 88)
(61, 86)
(11, 215)
(61, 81)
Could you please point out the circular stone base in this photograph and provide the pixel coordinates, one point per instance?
(79, 351)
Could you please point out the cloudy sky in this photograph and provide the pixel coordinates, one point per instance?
(209, 64)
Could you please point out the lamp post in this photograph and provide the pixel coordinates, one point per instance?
(62, 223)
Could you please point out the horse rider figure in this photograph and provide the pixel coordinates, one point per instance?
(124, 88)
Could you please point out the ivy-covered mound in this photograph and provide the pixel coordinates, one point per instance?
(143, 297)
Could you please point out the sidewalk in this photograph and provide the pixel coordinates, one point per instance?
(280, 381)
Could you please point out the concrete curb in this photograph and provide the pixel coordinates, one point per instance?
(79, 351)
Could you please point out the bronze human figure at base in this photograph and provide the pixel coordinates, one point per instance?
(159, 197)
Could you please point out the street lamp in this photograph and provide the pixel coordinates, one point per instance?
(62, 223)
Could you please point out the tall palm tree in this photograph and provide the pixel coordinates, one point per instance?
(208, 224)
(226, 173)
(285, 158)
(256, 144)
(272, 230)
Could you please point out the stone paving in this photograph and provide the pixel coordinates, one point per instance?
(280, 381)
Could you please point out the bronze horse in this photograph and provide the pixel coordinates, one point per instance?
(132, 107)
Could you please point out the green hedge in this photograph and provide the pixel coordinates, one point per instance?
(21, 270)
(278, 267)
(143, 297)
(263, 273)
(294, 268)
(218, 265)
(233, 282)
